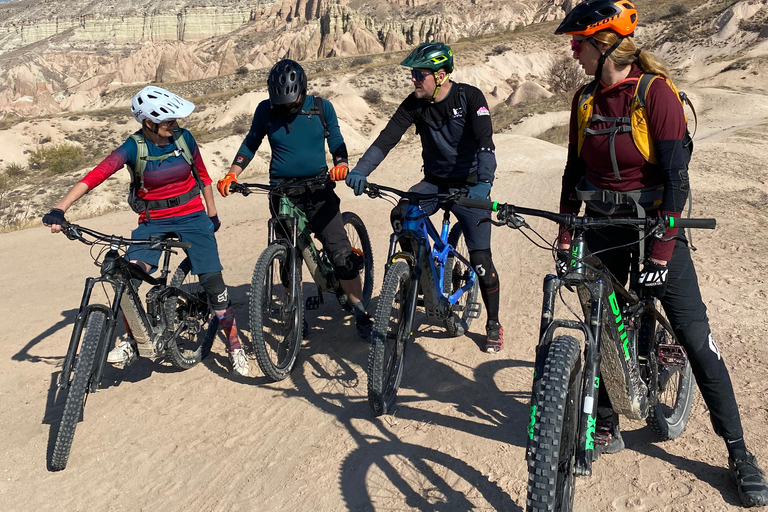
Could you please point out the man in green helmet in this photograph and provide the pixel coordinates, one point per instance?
(454, 124)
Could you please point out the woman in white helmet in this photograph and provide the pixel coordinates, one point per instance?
(168, 178)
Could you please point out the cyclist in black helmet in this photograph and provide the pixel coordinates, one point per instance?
(297, 126)
(454, 124)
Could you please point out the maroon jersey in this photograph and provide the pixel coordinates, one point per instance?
(666, 121)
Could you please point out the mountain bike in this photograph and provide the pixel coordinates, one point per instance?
(178, 323)
(276, 308)
(629, 344)
(441, 274)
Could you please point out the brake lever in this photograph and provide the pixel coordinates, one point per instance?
(495, 223)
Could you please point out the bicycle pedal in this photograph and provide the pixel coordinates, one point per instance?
(474, 309)
(313, 302)
(672, 356)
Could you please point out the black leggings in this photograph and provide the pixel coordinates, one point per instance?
(688, 316)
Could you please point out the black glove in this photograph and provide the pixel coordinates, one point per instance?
(652, 281)
(216, 223)
(54, 217)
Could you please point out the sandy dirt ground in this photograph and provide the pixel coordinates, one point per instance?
(158, 439)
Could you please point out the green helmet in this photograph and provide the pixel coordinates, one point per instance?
(434, 56)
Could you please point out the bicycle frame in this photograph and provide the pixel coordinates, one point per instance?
(419, 230)
(115, 270)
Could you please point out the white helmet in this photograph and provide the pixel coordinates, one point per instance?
(159, 105)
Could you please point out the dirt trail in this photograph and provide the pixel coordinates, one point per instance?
(159, 439)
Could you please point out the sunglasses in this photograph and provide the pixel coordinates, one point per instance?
(420, 76)
(576, 46)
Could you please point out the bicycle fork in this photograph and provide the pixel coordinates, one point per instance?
(590, 380)
(107, 333)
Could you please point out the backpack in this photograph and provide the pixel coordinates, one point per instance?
(140, 205)
(316, 110)
(636, 124)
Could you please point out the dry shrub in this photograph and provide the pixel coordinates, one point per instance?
(58, 158)
(372, 96)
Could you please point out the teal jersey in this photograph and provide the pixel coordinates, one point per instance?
(297, 141)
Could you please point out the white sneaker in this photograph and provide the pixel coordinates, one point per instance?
(124, 354)
(239, 362)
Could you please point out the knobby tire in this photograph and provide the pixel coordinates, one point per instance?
(552, 448)
(387, 355)
(360, 242)
(276, 330)
(78, 389)
(191, 346)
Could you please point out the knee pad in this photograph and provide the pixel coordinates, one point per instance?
(213, 284)
(483, 264)
(397, 215)
(347, 264)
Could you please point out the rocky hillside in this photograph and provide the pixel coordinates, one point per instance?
(64, 55)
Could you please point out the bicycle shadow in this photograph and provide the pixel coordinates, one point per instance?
(327, 378)
(644, 441)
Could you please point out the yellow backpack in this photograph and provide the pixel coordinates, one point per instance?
(636, 123)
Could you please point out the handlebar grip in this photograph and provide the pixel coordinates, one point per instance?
(476, 203)
(180, 245)
(693, 223)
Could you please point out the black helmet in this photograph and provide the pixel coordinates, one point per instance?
(287, 82)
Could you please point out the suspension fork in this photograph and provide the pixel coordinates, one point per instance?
(110, 331)
(591, 383)
(413, 291)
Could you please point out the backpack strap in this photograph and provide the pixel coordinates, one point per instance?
(317, 110)
(137, 170)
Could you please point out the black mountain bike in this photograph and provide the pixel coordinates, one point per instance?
(629, 344)
(276, 308)
(178, 323)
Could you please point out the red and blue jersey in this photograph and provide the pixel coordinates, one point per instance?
(163, 179)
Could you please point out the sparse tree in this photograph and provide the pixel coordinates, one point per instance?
(564, 75)
(678, 9)
(372, 96)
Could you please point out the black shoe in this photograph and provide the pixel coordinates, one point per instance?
(607, 434)
(494, 341)
(749, 478)
(364, 326)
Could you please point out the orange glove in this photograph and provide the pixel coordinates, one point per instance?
(223, 185)
(339, 172)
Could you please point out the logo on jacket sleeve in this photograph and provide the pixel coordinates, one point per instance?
(483, 111)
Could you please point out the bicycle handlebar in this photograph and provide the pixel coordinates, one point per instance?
(373, 190)
(245, 188)
(572, 221)
(75, 232)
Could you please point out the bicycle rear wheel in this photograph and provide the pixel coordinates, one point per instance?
(78, 389)
(672, 384)
(199, 330)
(385, 361)
(457, 274)
(276, 318)
(552, 441)
(361, 246)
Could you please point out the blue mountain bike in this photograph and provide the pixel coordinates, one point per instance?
(423, 262)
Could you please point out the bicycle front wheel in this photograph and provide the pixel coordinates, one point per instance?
(552, 436)
(361, 246)
(385, 362)
(199, 324)
(276, 318)
(78, 389)
(457, 275)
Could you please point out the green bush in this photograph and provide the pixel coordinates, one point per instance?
(58, 158)
(14, 170)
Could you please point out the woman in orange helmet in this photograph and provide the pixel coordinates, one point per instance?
(606, 153)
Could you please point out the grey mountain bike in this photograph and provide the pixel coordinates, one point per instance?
(178, 323)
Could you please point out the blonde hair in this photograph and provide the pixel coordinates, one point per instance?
(626, 52)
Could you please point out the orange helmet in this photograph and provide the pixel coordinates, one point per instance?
(592, 16)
